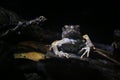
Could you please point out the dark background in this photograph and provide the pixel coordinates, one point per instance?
(96, 19)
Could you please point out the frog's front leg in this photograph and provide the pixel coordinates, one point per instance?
(60, 53)
(88, 46)
(87, 51)
(54, 47)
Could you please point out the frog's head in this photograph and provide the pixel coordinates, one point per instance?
(71, 31)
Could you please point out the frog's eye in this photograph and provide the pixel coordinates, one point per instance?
(66, 26)
(77, 26)
(71, 26)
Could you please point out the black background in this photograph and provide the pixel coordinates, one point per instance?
(98, 19)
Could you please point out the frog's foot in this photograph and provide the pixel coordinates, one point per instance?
(86, 51)
(63, 54)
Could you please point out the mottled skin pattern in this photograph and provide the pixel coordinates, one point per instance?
(71, 35)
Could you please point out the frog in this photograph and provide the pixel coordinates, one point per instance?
(75, 41)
